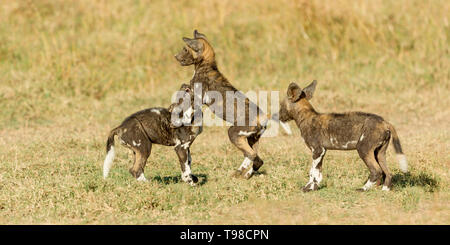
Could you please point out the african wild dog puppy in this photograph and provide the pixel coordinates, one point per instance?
(199, 53)
(154, 126)
(368, 133)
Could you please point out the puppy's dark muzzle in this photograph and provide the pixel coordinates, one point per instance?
(180, 60)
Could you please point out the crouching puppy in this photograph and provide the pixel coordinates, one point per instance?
(155, 126)
(367, 133)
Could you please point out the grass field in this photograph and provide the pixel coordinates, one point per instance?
(70, 71)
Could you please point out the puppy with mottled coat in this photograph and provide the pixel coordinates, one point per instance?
(141, 130)
(367, 133)
(247, 128)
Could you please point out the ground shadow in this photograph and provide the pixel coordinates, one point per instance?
(260, 172)
(167, 180)
(425, 180)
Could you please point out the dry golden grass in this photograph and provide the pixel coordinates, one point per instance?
(72, 70)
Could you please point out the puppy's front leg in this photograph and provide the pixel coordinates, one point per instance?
(315, 176)
(184, 155)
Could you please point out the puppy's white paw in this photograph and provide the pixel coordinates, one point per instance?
(142, 178)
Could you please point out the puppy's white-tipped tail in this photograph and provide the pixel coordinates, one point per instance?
(107, 164)
(402, 163)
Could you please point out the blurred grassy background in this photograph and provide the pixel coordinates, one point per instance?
(71, 70)
(55, 50)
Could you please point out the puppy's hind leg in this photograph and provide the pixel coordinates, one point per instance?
(253, 142)
(141, 155)
(368, 156)
(139, 164)
(141, 146)
(381, 159)
(239, 139)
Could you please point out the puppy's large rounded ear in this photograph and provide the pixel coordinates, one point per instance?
(193, 44)
(309, 90)
(294, 92)
(199, 35)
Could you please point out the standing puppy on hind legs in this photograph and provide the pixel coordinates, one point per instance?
(367, 133)
(247, 126)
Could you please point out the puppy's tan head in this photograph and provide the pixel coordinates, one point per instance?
(296, 100)
(197, 50)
